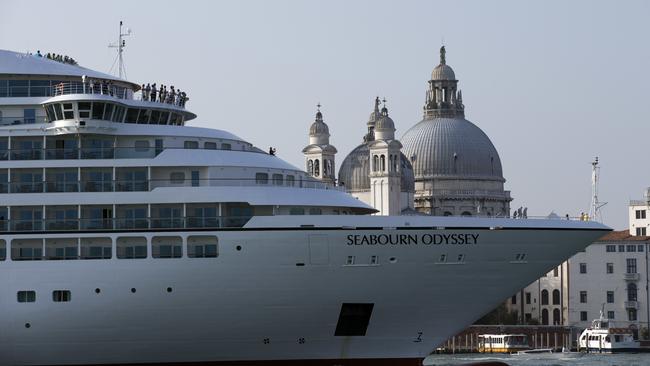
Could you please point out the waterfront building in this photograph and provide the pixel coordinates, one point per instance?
(544, 301)
(638, 216)
(611, 275)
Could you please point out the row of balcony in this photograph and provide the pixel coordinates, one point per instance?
(145, 185)
(142, 223)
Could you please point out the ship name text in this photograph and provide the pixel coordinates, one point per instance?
(413, 239)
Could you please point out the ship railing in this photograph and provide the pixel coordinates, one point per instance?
(103, 88)
(36, 185)
(13, 121)
(137, 223)
(72, 153)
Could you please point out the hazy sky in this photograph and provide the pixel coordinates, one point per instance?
(553, 83)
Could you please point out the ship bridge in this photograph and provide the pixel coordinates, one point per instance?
(69, 92)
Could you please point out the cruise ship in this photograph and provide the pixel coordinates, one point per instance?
(129, 237)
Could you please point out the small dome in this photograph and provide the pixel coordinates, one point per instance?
(385, 122)
(319, 128)
(443, 72)
(452, 147)
(354, 173)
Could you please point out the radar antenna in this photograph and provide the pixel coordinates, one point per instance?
(121, 43)
(596, 205)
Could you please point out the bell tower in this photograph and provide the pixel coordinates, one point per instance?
(319, 154)
(385, 167)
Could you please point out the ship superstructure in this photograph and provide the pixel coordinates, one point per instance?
(129, 237)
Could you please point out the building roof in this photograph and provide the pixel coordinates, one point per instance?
(451, 147)
(25, 64)
(623, 235)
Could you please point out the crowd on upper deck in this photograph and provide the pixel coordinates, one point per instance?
(161, 95)
(65, 59)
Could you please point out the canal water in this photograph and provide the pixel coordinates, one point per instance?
(557, 359)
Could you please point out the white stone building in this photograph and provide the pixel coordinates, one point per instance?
(638, 216)
(446, 167)
(544, 301)
(611, 274)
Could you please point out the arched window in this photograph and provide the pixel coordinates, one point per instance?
(545, 317)
(556, 317)
(375, 163)
(544, 297)
(631, 292)
(556, 297)
(310, 167)
(466, 214)
(316, 168)
(383, 163)
(447, 213)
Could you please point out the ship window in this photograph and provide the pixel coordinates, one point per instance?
(49, 111)
(3, 249)
(315, 211)
(58, 111)
(108, 112)
(177, 177)
(202, 246)
(225, 146)
(191, 144)
(155, 117)
(167, 247)
(98, 110)
(164, 116)
(118, 116)
(290, 180)
(84, 109)
(26, 296)
(210, 146)
(61, 296)
(61, 248)
(278, 179)
(26, 249)
(131, 247)
(96, 248)
(131, 115)
(296, 211)
(143, 117)
(68, 112)
(142, 146)
(353, 319)
(18, 88)
(261, 178)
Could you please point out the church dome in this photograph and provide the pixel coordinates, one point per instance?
(385, 122)
(319, 127)
(443, 72)
(451, 147)
(354, 173)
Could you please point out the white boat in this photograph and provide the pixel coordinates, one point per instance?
(605, 337)
(129, 237)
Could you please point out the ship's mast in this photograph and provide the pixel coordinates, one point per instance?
(121, 43)
(596, 205)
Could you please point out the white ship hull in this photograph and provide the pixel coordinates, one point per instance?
(278, 298)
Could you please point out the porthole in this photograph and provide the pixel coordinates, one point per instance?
(169, 289)
(132, 289)
(392, 260)
(27, 325)
(238, 248)
(97, 290)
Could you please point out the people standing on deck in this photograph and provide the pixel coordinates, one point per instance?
(160, 93)
(147, 92)
(152, 96)
(144, 95)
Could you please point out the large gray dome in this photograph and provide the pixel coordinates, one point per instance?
(443, 72)
(355, 171)
(451, 147)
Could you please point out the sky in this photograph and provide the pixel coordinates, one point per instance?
(552, 83)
